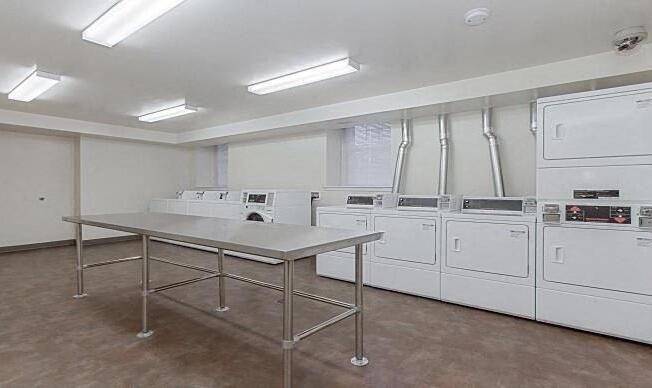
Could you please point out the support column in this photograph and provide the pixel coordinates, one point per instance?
(81, 293)
(145, 332)
(220, 282)
(359, 359)
(288, 334)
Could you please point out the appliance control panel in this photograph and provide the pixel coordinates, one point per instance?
(499, 205)
(418, 202)
(371, 201)
(590, 212)
(258, 198)
(354, 200)
(602, 214)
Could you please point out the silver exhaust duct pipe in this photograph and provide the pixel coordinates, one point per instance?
(533, 117)
(490, 134)
(406, 139)
(443, 156)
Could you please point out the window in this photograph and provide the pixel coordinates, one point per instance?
(359, 156)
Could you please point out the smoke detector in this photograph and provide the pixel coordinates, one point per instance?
(476, 16)
(629, 38)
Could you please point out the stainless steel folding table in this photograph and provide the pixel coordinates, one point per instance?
(280, 241)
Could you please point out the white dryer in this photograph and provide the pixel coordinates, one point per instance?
(341, 264)
(488, 255)
(594, 266)
(209, 203)
(406, 259)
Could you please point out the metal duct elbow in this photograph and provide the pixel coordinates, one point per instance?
(533, 117)
(443, 155)
(490, 134)
(406, 139)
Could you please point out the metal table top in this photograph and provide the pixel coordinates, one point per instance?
(279, 241)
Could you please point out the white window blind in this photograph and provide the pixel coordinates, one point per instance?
(365, 156)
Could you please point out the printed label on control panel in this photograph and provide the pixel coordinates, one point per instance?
(517, 233)
(595, 194)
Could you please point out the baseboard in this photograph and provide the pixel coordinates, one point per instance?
(64, 243)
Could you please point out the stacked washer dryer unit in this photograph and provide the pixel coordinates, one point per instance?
(274, 206)
(594, 169)
(488, 255)
(356, 215)
(406, 259)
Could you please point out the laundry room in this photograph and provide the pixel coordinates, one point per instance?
(326, 194)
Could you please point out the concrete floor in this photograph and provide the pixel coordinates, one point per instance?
(48, 339)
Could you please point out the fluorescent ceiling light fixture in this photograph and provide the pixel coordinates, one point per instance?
(37, 83)
(303, 77)
(168, 113)
(125, 18)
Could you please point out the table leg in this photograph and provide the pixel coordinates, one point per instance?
(359, 359)
(80, 263)
(288, 335)
(220, 282)
(145, 332)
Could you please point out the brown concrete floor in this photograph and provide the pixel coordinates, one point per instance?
(48, 339)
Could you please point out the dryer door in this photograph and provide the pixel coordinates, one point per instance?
(615, 127)
(406, 239)
(618, 260)
(497, 248)
(345, 221)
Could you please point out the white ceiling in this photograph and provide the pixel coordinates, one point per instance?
(207, 51)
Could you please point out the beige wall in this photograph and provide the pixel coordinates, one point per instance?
(31, 167)
(121, 176)
(87, 175)
(297, 162)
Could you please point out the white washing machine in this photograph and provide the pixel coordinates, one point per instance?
(594, 266)
(274, 206)
(341, 264)
(488, 255)
(209, 203)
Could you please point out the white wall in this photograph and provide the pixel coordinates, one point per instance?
(297, 162)
(205, 166)
(120, 176)
(34, 166)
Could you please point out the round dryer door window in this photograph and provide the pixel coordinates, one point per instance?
(257, 217)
